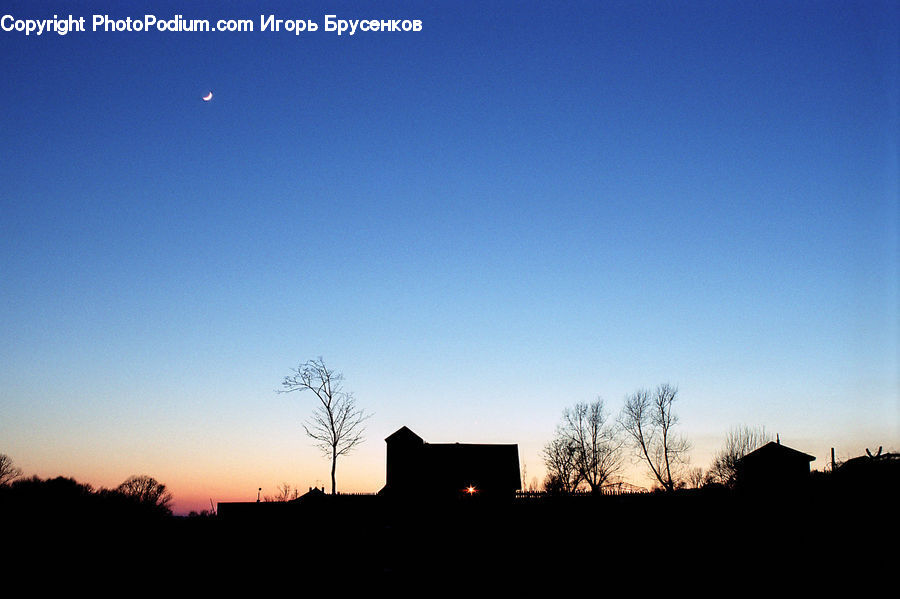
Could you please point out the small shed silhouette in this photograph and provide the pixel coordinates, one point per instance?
(443, 470)
(773, 467)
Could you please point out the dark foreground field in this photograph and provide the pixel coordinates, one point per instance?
(650, 542)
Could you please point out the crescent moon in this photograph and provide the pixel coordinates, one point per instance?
(207, 97)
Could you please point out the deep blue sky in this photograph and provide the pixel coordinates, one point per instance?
(524, 205)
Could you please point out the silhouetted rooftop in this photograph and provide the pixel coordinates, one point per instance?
(773, 451)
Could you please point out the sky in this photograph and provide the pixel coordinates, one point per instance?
(522, 206)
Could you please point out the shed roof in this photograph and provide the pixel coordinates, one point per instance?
(775, 451)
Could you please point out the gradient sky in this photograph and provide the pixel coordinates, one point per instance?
(523, 206)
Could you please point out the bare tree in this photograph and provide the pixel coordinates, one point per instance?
(146, 490)
(739, 441)
(559, 460)
(284, 493)
(337, 424)
(8, 470)
(696, 478)
(649, 421)
(597, 444)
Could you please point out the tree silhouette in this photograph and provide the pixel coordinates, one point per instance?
(337, 424)
(559, 460)
(739, 441)
(649, 421)
(146, 491)
(8, 470)
(597, 444)
(285, 492)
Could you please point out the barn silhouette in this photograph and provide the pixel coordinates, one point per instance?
(445, 470)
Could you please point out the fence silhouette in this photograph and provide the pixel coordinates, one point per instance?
(612, 489)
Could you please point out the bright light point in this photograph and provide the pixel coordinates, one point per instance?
(207, 97)
(471, 490)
